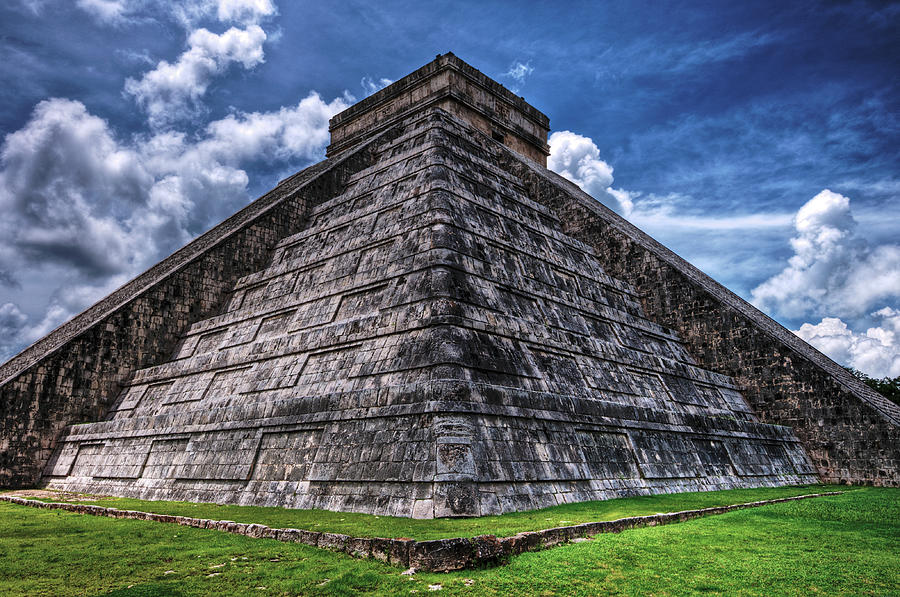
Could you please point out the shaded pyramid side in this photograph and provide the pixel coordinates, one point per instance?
(850, 432)
(74, 373)
(429, 344)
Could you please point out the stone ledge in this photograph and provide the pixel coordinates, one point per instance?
(437, 555)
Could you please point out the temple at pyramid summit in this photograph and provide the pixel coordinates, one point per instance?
(430, 323)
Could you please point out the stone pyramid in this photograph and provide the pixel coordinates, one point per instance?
(429, 323)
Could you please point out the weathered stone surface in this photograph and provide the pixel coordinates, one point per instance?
(487, 549)
(399, 554)
(381, 549)
(256, 530)
(851, 433)
(442, 555)
(359, 547)
(74, 374)
(301, 389)
(428, 324)
(522, 542)
(289, 535)
(555, 536)
(452, 85)
(333, 541)
(220, 525)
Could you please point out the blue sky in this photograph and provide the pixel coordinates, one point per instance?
(758, 140)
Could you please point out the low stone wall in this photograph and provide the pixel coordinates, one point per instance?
(438, 555)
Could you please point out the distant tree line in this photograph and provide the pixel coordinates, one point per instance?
(886, 386)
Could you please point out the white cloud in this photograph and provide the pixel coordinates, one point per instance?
(186, 13)
(298, 130)
(518, 72)
(577, 158)
(370, 86)
(652, 212)
(833, 270)
(63, 179)
(171, 91)
(77, 200)
(244, 11)
(105, 11)
(875, 352)
(679, 212)
(833, 273)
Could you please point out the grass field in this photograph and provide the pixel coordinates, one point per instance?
(839, 545)
(365, 525)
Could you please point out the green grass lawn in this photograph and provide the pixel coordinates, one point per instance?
(366, 525)
(839, 545)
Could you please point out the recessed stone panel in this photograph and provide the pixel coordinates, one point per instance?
(286, 455)
(88, 459)
(667, 456)
(221, 455)
(360, 303)
(760, 458)
(163, 458)
(609, 455)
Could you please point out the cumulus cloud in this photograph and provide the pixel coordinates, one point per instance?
(89, 210)
(577, 158)
(63, 179)
(834, 274)
(875, 352)
(833, 271)
(77, 199)
(301, 130)
(171, 91)
(188, 13)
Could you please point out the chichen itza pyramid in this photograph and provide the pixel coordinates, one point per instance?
(430, 323)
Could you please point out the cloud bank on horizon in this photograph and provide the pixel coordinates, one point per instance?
(833, 270)
(94, 192)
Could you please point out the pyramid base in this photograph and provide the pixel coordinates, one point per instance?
(435, 458)
(419, 500)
